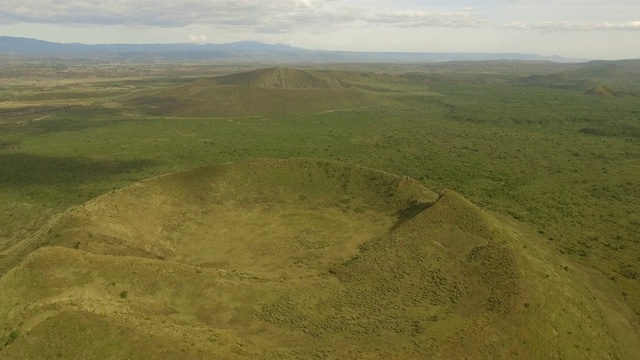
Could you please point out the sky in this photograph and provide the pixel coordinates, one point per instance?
(586, 29)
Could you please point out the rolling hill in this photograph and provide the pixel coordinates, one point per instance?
(276, 91)
(558, 81)
(270, 91)
(295, 258)
(279, 78)
(592, 75)
(601, 90)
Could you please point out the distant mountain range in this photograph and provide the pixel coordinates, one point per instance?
(243, 51)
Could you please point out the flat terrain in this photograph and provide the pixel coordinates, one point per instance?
(312, 258)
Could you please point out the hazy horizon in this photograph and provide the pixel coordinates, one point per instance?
(584, 29)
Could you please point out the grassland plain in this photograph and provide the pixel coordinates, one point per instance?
(551, 156)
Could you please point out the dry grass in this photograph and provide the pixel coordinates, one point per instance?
(316, 259)
(291, 259)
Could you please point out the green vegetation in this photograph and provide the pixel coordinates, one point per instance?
(527, 141)
(12, 337)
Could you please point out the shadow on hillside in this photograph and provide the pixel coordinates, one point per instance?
(8, 144)
(410, 212)
(64, 119)
(19, 169)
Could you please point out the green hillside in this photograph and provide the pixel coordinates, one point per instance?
(289, 259)
(259, 92)
(196, 211)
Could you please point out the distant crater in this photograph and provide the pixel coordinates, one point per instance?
(282, 78)
(601, 90)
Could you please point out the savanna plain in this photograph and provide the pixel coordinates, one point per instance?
(462, 210)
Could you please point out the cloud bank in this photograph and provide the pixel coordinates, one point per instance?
(273, 17)
(267, 16)
(574, 26)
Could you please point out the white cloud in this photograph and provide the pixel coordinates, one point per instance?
(574, 26)
(263, 16)
(198, 39)
(149, 12)
(422, 18)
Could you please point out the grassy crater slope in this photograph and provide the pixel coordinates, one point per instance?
(280, 78)
(203, 101)
(296, 259)
(259, 92)
(272, 91)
